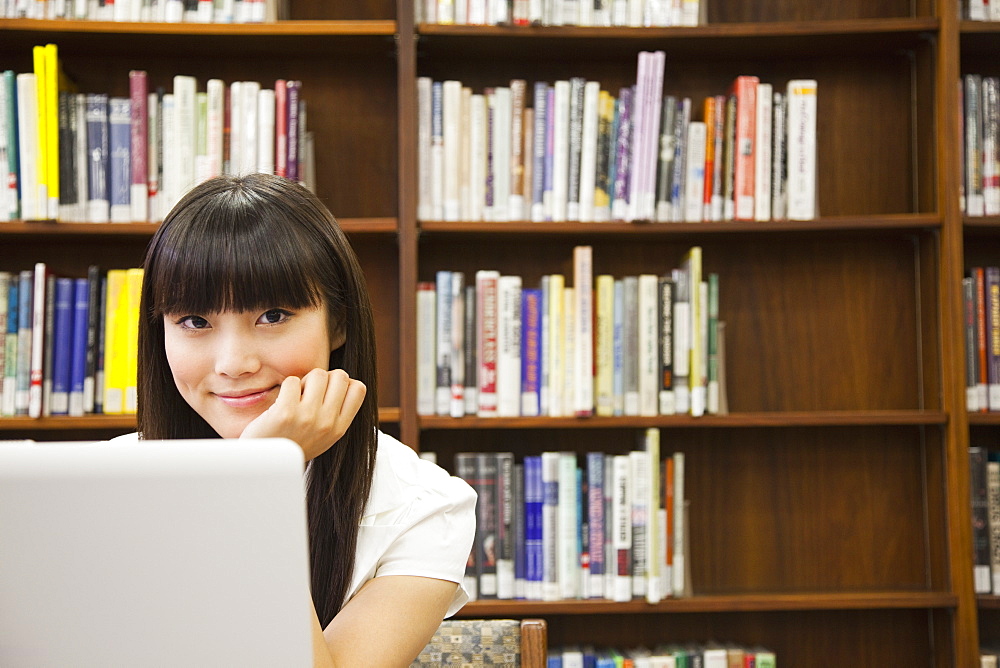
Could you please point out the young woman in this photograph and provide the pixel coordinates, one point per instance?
(256, 322)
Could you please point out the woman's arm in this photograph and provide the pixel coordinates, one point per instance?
(386, 623)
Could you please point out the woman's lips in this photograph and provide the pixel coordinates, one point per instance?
(243, 399)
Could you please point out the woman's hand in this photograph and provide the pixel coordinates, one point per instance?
(314, 411)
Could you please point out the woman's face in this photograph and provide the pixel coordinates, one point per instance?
(229, 365)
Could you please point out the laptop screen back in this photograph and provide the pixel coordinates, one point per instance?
(172, 553)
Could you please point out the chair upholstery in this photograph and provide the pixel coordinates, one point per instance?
(465, 643)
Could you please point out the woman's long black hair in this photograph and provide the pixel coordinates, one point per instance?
(253, 242)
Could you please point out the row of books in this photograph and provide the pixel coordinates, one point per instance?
(145, 11)
(600, 13)
(981, 10)
(560, 526)
(68, 346)
(981, 148)
(984, 487)
(636, 345)
(575, 152)
(667, 655)
(989, 657)
(91, 157)
(981, 309)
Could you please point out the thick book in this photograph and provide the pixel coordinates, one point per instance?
(508, 346)
(621, 518)
(589, 150)
(119, 159)
(583, 339)
(562, 92)
(10, 204)
(486, 340)
(32, 208)
(98, 149)
(485, 485)
(533, 549)
(973, 125)
(639, 473)
(550, 526)
(68, 128)
(138, 143)
(568, 522)
(515, 204)
(764, 118)
(744, 88)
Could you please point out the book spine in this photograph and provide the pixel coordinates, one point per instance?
(568, 559)
(583, 348)
(426, 348)
(37, 360)
(509, 346)
(486, 338)
(62, 342)
(678, 570)
(648, 344)
(694, 179)
(630, 345)
(67, 157)
(982, 339)
(531, 351)
(538, 151)
(764, 117)
(712, 353)
(779, 171)
(451, 94)
(993, 517)
(666, 346)
(9, 201)
(971, 357)
(692, 266)
(78, 355)
(533, 500)
(595, 522)
(745, 90)
(293, 95)
(94, 306)
(991, 145)
(154, 156)
(515, 206)
(550, 526)
(621, 510)
(639, 466)
(28, 145)
(442, 401)
(577, 86)
(589, 150)
(654, 532)
(678, 183)
(465, 468)
(505, 518)
(5, 281)
(470, 341)
(980, 520)
(119, 161)
(486, 523)
(992, 278)
(456, 339)
(604, 346)
(98, 200)
(605, 156)
(710, 135)
(139, 133)
(617, 356)
(623, 145)
(561, 149)
(477, 156)
(682, 341)
(8, 404)
(974, 202)
(518, 537)
(801, 184)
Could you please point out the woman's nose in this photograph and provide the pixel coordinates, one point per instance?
(236, 356)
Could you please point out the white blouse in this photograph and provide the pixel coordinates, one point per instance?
(419, 520)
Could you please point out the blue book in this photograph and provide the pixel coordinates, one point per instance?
(119, 159)
(531, 351)
(595, 522)
(554, 659)
(78, 360)
(533, 526)
(62, 346)
(98, 203)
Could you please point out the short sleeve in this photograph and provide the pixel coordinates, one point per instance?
(419, 521)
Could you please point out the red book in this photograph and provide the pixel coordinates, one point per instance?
(139, 190)
(280, 128)
(744, 88)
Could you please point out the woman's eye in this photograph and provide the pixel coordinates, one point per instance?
(273, 316)
(193, 322)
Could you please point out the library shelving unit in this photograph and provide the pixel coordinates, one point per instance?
(829, 516)
(979, 43)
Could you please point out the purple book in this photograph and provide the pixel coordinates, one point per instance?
(533, 497)
(623, 161)
(62, 346)
(531, 351)
(293, 89)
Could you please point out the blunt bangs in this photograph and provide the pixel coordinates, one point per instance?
(226, 258)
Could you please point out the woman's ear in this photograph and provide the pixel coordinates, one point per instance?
(338, 337)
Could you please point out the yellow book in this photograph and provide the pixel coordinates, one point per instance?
(114, 342)
(691, 264)
(133, 288)
(557, 345)
(604, 346)
(51, 90)
(41, 88)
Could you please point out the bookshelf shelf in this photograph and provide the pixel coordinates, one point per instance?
(146, 230)
(902, 222)
(988, 602)
(733, 420)
(706, 604)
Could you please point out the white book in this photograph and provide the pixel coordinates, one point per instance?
(994, 11)
(648, 344)
(569, 524)
(545, 343)
(265, 131)
(560, 151)
(635, 12)
(437, 151)
(637, 147)
(588, 153)
(508, 385)
(690, 13)
(443, 347)
(445, 11)
(424, 148)
(550, 526)
(184, 119)
(583, 339)
(621, 526)
(501, 153)
(694, 178)
(639, 472)
(250, 90)
(762, 153)
(457, 338)
(171, 189)
(215, 90)
(651, 117)
(801, 98)
(476, 12)
(486, 339)
(451, 92)
(477, 156)
(555, 358)
(28, 150)
(426, 347)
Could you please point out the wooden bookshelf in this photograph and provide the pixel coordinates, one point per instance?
(829, 509)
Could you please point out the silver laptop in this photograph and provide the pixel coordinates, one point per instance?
(170, 553)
